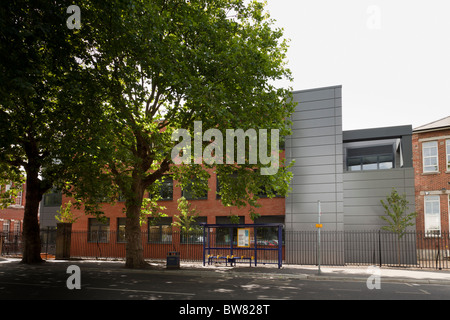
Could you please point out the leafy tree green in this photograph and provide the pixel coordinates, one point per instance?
(37, 60)
(397, 218)
(160, 66)
(186, 220)
(65, 214)
(93, 110)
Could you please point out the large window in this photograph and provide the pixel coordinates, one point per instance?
(160, 230)
(432, 215)
(373, 162)
(223, 235)
(53, 198)
(189, 194)
(370, 158)
(269, 235)
(163, 189)
(166, 189)
(196, 235)
(98, 230)
(430, 156)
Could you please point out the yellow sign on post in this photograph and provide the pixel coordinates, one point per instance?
(318, 225)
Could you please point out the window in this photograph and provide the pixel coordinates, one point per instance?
(98, 230)
(448, 155)
(263, 193)
(53, 199)
(17, 227)
(432, 215)
(378, 157)
(374, 162)
(220, 184)
(430, 156)
(18, 200)
(162, 189)
(121, 223)
(196, 235)
(189, 194)
(160, 230)
(269, 235)
(223, 234)
(166, 190)
(6, 227)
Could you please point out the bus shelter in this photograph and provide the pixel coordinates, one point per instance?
(243, 243)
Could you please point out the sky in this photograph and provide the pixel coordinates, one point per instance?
(392, 57)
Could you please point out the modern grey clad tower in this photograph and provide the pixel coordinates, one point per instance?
(316, 147)
(349, 172)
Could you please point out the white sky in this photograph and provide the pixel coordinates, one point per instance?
(392, 57)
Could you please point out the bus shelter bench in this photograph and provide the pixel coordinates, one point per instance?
(228, 259)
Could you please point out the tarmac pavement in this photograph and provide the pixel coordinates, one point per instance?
(307, 272)
(339, 273)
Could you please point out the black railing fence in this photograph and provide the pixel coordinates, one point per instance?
(381, 248)
(373, 247)
(11, 243)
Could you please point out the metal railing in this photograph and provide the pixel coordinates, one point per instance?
(373, 247)
(381, 248)
(11, 243)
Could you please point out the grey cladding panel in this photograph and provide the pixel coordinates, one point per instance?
(316, 147)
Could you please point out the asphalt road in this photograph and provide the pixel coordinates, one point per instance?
(54, 280)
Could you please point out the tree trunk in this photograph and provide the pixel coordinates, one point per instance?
(133, 235)
(31, 252)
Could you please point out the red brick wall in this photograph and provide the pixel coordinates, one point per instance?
(433, 183)
(13, 212)
(210, 208)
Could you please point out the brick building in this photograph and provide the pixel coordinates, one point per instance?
(431, 156)
(11, 218)
(209, 207)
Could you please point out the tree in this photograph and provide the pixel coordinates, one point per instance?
(398, 220)
(37, 61)
(395, 208)
(161, 66)
(187, 218)
(65, 214)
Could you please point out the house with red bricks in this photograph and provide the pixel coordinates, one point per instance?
(431, 156)
(11, 218)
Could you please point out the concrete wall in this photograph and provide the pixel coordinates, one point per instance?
(316, 147)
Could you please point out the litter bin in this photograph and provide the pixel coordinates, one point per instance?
(173, 260)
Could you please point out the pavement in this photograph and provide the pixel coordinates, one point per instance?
(337, 273)
(307, 272)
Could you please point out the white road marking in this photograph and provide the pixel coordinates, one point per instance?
(142, 291)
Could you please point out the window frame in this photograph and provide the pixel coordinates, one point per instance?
(121, 229)
(191, 195)
(426, 215)
(360, 164)
(436, 157)
(50, 197)
(100, 235)
(447, 158)
(162, 229)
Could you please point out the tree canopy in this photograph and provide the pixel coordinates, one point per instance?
(104, 102)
